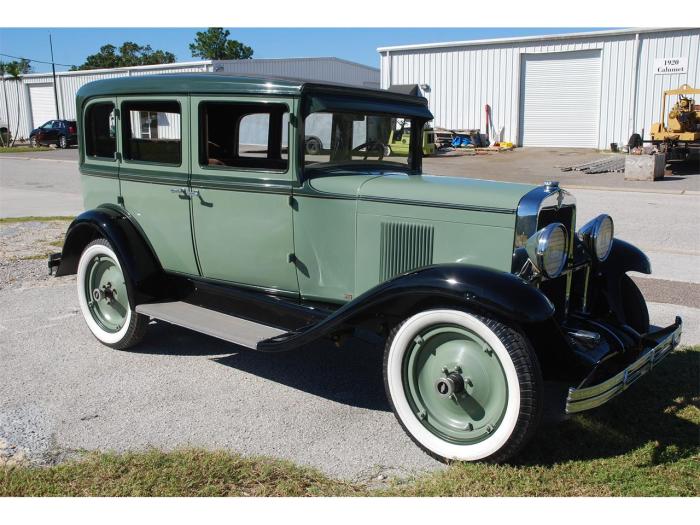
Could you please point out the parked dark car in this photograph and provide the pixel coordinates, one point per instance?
(63, 133)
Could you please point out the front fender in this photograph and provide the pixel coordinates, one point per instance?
(141, 268)
(624, 257)
(473, 287)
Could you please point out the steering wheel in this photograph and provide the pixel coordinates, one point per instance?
(372, 145)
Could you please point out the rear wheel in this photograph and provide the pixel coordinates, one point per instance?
(104, 300)
(464, 387)
(62, 142)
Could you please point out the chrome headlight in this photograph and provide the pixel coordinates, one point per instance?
(548, 249)
(597, 235)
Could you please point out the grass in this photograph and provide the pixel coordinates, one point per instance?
(644, 443)
(23, 149)
(12, 220)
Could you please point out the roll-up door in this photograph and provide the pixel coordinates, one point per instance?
(560, 99)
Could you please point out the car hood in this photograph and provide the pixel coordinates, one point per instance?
(424, 189)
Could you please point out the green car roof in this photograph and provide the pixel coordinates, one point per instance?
(223, 83)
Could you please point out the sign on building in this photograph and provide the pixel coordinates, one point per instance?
(670, 66)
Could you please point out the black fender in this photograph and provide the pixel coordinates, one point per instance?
(624, 257)
(142, 270)
(461, 286)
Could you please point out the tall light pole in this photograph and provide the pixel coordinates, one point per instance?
(55, 88)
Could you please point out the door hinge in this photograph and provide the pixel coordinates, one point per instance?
(120, 200)
(116, 112)
(292, 258)
(117, 156)
(292, 201)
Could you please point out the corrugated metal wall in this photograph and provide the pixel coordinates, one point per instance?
(68, 84)
(462, 80)
(321, 69)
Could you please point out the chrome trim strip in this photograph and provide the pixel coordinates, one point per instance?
(431, 204)
(580, 399)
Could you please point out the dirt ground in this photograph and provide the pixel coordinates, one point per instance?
(537, 165)
(24, 248)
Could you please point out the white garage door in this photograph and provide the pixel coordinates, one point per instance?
(42, 103)
(560, 99)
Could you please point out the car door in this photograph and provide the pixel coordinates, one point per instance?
(242, 182)
(154, 175)
(42, 134)
(54, 132)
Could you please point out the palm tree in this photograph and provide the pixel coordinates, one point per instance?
(14, 70)
(3, 70)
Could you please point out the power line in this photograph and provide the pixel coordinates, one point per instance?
(38, 61)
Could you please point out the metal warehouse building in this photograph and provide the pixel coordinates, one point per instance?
(34, 93)
(582, 90)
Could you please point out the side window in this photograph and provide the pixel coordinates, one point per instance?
(151, 132)
(57, 124)
(100, 131)
(244, 135)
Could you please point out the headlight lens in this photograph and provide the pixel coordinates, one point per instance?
(548, 249)
(598, 236)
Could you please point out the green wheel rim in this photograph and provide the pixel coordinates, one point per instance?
(473, 412)
(105, 291)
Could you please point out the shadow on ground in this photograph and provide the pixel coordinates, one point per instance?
(661, 408)
(351, 374)
(656, 409)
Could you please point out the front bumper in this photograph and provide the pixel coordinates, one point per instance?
(585, 398)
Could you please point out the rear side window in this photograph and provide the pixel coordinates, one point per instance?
(243, 135)
(100, 131)
(152, 132)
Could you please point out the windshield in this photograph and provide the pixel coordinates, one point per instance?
(348, 139)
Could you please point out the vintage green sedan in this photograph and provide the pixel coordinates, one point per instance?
(205, 209)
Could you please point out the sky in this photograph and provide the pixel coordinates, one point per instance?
(72, 46)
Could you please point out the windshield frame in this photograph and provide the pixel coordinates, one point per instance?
(417, 124)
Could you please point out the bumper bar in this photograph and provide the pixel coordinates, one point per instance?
(585, 398)
(54, 261)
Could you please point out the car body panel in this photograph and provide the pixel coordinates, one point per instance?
(254, 236)
(100, 175)
(149, 194)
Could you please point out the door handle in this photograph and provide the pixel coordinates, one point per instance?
(182, 191)
(192, 193)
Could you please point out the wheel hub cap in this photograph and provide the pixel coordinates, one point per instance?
(455, 384)
(107, 298)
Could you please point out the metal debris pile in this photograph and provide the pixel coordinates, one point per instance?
(604, 165)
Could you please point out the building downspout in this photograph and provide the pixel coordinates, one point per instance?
(635, 84)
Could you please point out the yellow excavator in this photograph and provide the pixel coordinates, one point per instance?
(680, 132)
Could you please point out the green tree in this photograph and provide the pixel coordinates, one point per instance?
(214, 44)
(15, 69)
(129, 54)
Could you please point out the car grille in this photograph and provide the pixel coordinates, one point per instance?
(556, 289)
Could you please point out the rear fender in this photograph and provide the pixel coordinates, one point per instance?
(143, 272)
(460, 286)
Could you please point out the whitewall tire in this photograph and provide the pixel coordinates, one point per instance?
(104, 300)
(464, 387)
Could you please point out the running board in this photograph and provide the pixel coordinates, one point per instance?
(227, 327)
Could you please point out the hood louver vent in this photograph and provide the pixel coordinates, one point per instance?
(404, 247)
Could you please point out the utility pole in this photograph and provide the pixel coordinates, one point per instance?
(55, 87)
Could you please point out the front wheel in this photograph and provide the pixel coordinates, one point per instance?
(33, 142)
(464, 387)
(104, 300)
